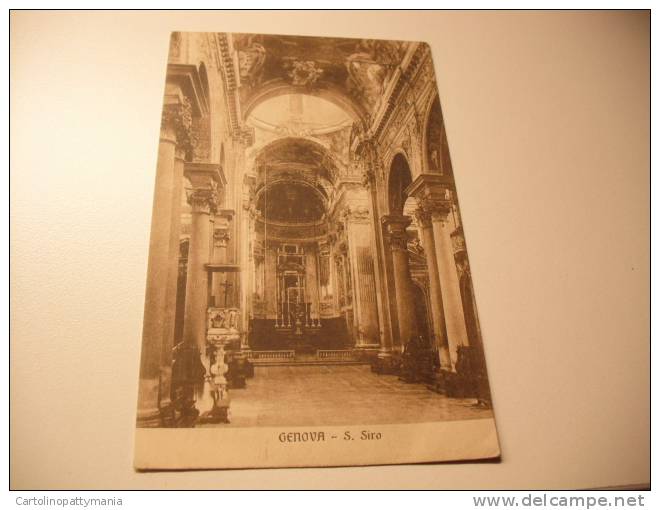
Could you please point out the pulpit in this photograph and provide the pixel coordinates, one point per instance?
(224, 329)
(222, 333)
(223, 325)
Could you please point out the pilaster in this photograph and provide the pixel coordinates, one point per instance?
(357, 218)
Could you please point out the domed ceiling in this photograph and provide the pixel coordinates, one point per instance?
(299, 113)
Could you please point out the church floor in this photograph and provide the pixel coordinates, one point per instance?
(340, 395)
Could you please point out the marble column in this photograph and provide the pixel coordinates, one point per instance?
(451, 290)
(160, 300)
(434, 195)
(437, 309)
(385, 334)
(169, 316)
(396, 230)
(203, 199)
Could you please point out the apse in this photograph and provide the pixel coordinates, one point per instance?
(290, 202)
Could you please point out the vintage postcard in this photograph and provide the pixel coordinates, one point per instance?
(309, 299)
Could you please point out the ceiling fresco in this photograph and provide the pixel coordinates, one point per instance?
(357, 68)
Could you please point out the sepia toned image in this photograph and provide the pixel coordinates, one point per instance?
(309, 299)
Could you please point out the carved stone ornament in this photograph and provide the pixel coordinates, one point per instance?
(458, 243)
(222, 323)
(203, 200)
(221, 237)
(356, 213)
(438, 208)
(423, 217)
(178, 118)
(368, 177)
(462, 267)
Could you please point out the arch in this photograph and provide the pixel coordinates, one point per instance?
(320, 192)
(278, 143)
(309, 138)
(329, 92)
(295, 203)
(272, 144)
(400, 177)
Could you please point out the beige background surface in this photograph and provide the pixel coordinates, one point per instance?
(548, 123)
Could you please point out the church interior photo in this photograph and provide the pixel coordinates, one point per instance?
(307, 263)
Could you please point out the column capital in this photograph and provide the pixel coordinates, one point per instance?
(458, 244)
(423, 217)
(177, 120)
(368, 177)
(206, 179)
(434, 194)
(203, 200)
(437, 209)
(396, 231)
(324, 247)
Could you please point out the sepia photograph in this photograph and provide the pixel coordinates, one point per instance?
(308, 271)
(329, 250)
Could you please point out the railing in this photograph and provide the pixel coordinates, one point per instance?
(271, 355)
(335, 354)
